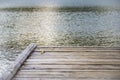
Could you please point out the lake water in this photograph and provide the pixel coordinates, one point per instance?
(54, 28)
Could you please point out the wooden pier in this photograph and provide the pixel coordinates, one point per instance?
(66, 63)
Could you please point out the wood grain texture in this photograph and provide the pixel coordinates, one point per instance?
(108, 53)
(81, 74)
(77, 49)
(59, 79)
(71, 67)
(71, 63)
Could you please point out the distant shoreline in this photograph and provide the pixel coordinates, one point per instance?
(60, 9)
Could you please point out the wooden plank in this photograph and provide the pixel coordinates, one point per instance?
(76, 53)
(59, 50)
(73, 67)
(59, 79)
(19, 62)
(86, 75)
(65, 72)
(72, 55)
(73, 62)
(75, 57)
(77, 49)
(83, 47)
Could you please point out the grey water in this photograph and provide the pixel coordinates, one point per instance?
(55, 28)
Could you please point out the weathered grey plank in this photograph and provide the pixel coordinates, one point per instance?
(75, 57)
(72, 60)
(59, 79)
(64, 70)
(73, 67)
(77, 49)
(76, 53)
(67, 72)
(83, 61)
(19, 62)
(69, 63)
(86, 75)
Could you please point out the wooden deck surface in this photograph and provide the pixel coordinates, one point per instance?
(71, 63)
